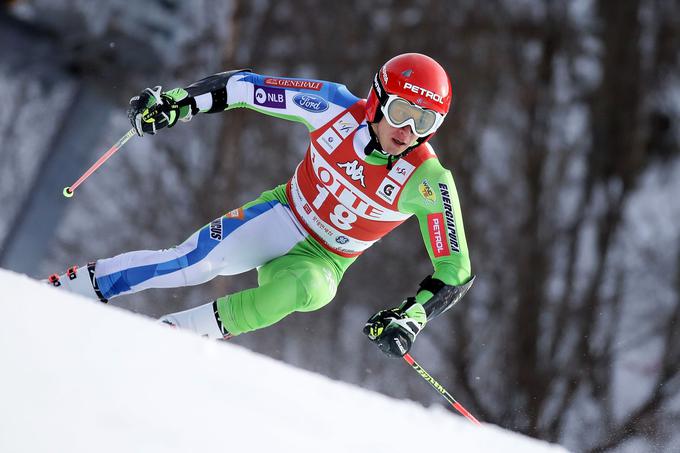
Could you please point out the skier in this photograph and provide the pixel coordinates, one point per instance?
(367, 169)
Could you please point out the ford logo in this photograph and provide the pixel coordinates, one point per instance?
(342, 239)
(310, 102)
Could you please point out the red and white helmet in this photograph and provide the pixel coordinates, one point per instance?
(417, 79)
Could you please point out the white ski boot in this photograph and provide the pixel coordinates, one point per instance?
(78, 280)
(203, 320)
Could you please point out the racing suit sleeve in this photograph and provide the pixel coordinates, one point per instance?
(310, 102)
(431, 195)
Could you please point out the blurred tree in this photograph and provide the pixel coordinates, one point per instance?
(563, 141)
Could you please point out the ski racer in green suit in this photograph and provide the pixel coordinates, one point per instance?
(367, 169)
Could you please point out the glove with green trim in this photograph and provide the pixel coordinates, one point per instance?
(395, 330)
(152, 110)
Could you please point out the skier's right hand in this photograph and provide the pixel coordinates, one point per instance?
(152, 110)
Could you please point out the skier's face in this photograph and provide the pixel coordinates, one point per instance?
(394, 140)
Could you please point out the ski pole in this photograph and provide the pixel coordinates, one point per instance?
(68, 191)
(442, 391)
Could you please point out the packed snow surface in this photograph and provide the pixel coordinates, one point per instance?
(78, 376)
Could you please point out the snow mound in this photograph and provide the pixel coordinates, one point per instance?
(78, 376)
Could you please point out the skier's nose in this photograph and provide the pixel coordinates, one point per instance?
(405, 133)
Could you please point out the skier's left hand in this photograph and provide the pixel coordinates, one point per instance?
(395, 330)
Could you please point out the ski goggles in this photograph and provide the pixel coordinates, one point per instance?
(399, 112)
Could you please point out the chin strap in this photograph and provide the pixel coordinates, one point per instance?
(382, 95)
(443, 296)
(373, 143)
(390, 164)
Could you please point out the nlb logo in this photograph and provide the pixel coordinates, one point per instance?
(424, 92)
(270, 97)
(311, 102)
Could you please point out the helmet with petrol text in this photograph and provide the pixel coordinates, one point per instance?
(411, 89)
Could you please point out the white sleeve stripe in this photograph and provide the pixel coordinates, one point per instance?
(204, 101)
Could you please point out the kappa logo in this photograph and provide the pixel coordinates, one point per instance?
(354, 170)
(350, 202)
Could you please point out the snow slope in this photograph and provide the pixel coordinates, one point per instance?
(77, 376)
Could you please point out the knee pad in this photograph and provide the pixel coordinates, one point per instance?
(318, 285)
(306, 284)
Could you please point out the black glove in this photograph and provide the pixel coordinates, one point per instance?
(395, 330)
(152, 110)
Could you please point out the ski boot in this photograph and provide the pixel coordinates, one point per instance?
(203, 320)
(78, 280)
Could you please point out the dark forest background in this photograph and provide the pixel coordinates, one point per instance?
(563, 141)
